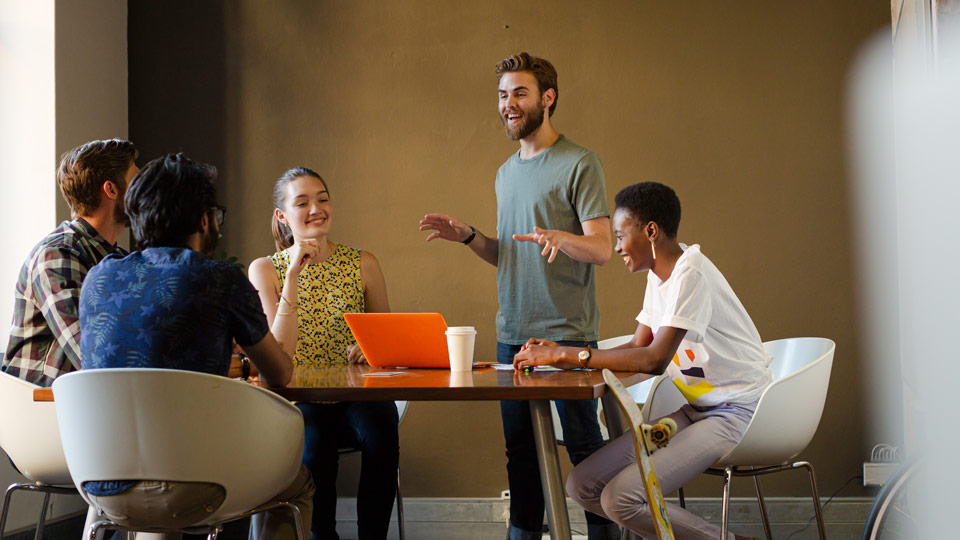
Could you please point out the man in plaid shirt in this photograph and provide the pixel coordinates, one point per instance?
(45, 334)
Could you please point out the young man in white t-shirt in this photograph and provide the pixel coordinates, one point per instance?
(693, 327)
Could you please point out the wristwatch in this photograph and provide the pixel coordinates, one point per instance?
(244, 366)
(584, 356)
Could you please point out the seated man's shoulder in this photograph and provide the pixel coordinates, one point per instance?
(63, 237)
(61, 244)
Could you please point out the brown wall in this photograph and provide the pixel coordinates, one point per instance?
(738, 106)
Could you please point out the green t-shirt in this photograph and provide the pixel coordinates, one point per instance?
(558, 189)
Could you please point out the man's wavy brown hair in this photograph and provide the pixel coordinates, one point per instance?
(84, 169)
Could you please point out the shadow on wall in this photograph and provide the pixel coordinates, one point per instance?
(177, 62)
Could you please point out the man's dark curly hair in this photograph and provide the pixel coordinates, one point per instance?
(651, 201)
(167, 198)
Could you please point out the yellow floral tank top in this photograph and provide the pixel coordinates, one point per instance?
(325, 291)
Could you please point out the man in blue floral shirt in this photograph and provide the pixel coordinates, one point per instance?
(171, 306)
(45, 335)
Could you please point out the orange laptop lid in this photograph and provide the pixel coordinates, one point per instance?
(414, 340)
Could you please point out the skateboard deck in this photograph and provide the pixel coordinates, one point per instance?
(646, 440)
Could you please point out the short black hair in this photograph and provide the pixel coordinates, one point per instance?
(652, 201)
(167, 198)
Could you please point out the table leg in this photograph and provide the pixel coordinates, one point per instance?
(611, 413)
(553, 494)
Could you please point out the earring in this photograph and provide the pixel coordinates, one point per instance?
(653, 248)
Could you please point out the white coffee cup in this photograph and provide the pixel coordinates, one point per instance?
(460, 342)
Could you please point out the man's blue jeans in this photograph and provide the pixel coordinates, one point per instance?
(581, 435)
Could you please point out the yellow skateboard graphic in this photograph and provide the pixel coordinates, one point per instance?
(647, 439)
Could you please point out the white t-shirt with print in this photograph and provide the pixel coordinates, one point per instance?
(721, 358)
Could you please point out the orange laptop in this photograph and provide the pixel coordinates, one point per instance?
(415, 340)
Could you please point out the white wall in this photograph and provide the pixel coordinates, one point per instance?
(63, 81)
(27, 161)
(905, 148)
(27, 137)
(928, 154)
(874, 219)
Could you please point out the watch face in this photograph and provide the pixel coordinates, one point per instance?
(584, 354)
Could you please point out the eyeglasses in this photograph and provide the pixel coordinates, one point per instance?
(221, 211)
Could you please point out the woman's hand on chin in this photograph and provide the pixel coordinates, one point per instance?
(303, 253)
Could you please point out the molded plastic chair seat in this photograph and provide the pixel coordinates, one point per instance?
(783, 424)
(31, 439)
(171, 425)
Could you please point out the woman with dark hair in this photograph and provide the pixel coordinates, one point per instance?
(305, 288)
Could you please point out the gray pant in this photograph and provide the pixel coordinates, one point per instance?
(609, 484)
(175, 505)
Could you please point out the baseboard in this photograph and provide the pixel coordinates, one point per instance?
(474, 519)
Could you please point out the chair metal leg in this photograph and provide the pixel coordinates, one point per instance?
(254, 532)
(683, 500)
(816, 497)
(212, 535)
(297, 520)
(725, 507)
(403, 535)
(93, 529)
(6, 507)
(43, 488)
(43, 516)
(763, 510)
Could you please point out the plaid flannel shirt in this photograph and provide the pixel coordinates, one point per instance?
(45, 334)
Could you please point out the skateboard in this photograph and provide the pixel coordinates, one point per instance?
(647, 439)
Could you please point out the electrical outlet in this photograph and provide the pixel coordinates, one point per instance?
(505, 494)
(877, 474)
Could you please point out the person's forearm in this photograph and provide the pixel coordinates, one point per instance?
(486, 248)
(284, 327)
(593, 249)
(643, 360)
(276, 375)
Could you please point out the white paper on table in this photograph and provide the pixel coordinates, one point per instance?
(509, 367)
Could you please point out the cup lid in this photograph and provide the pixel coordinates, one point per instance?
(461, 330)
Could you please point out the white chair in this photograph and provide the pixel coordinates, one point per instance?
(171, 425)
(638, 391)
(785, 421)
(401, 411)
(29, 436)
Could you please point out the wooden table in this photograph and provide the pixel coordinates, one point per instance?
(352, 383)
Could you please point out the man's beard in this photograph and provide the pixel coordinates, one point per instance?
(531, 121)
(120, 210)
(120, 215)
(210, 241)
